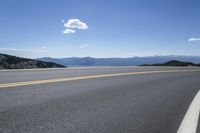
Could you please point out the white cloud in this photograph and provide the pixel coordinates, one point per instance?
(193, 39)
(44, 48)
(23, 50)
(68, 31)
(84, 45)
(75, 23)
(142, 54)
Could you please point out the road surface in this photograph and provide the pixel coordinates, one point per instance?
(97, 100)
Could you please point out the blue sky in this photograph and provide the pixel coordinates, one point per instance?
(99, 28)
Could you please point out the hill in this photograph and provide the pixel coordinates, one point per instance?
(173, 63)
(13, 62)
(132, 61)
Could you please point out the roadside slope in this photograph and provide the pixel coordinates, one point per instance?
(13, 62)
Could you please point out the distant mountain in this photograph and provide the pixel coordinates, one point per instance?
(133, 61)
(173, 63)
(13, 62)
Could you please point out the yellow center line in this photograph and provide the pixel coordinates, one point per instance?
(15, 84)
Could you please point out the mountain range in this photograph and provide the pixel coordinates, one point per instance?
(132, 61)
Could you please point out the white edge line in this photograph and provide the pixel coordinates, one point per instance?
(190, 120)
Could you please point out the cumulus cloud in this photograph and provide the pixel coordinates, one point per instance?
(84, 45)
(193, 39)
(75, 23)
(68, 31)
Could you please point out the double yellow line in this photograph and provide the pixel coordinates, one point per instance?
(15, 84)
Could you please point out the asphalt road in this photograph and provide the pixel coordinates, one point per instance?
(137, 103)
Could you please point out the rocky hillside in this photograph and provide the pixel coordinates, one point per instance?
(13, 62)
